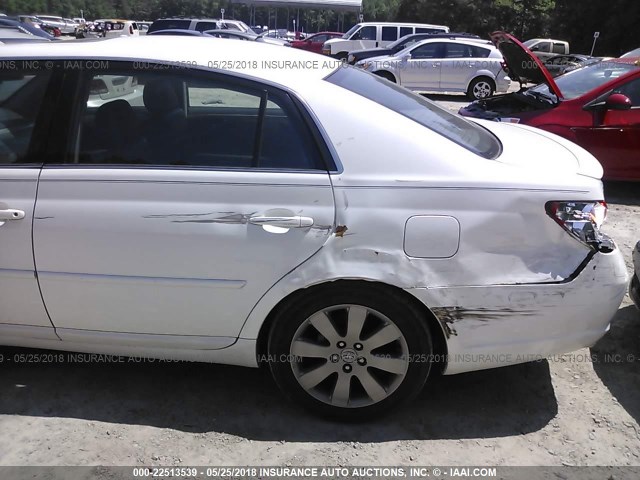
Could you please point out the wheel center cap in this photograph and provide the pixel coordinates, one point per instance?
(348, 355)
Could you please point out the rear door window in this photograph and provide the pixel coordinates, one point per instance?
(429, 30)
(558, 48)
(404, 31)
(479, 52)
(389, 34)
(162, 119)
(21, 99)
(457, 50)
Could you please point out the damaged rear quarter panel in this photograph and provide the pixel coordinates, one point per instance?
(506, 238)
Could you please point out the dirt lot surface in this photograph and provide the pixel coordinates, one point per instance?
(579, 409)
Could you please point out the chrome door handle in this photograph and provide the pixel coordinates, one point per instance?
(282, 222)
(11, 214)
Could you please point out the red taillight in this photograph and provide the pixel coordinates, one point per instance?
(580, 219)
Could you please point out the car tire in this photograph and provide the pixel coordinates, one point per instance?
(342, 56)
(634, 290)
(350, 351)
(386, 75)
(481, 87)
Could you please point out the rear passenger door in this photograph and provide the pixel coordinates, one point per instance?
(179, 203)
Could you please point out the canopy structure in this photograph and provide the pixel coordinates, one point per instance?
(341, 6)
(337, 5)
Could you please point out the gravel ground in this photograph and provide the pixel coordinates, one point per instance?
(570, 411)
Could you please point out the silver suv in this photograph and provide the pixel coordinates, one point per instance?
(442, 65)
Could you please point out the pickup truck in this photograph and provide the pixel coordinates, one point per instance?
(545, 48)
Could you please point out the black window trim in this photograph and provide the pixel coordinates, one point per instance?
(41, 147)
(71, 89)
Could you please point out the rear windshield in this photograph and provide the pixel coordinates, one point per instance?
(465, 133)
(170, 24)
(578, 82)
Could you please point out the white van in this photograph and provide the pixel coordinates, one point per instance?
(375, 34)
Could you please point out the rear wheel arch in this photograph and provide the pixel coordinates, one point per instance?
(387, 75)
(438, 336)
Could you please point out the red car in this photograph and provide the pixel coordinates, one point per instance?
(313, 43)
(597, 107)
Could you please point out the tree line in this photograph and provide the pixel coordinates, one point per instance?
(573, 20)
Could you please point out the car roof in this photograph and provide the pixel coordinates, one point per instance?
(627, 60)
(258, 60)
(400, 23)
(466, 41)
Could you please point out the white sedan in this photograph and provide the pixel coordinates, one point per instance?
(263, 205)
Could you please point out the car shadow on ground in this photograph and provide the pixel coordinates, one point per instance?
(198, 398)
(616, 359)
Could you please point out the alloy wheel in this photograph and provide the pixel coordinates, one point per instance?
(349, 356)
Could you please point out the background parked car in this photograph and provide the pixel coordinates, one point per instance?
(632, 54)
(597, 107)
(444, 65)
(176, 31)
(250, 36)
(24, 27)
(119, 28)
(375, 34)
(9, 34)
(315, 42)
(143, 27)
(561, 64)
(404, 42)
(198, 24)
(546, 48)
(66, 26)
(39, 23)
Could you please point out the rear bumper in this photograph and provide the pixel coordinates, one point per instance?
(634, 286)
(499, 325)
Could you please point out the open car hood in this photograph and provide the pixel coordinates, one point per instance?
(523, 65)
